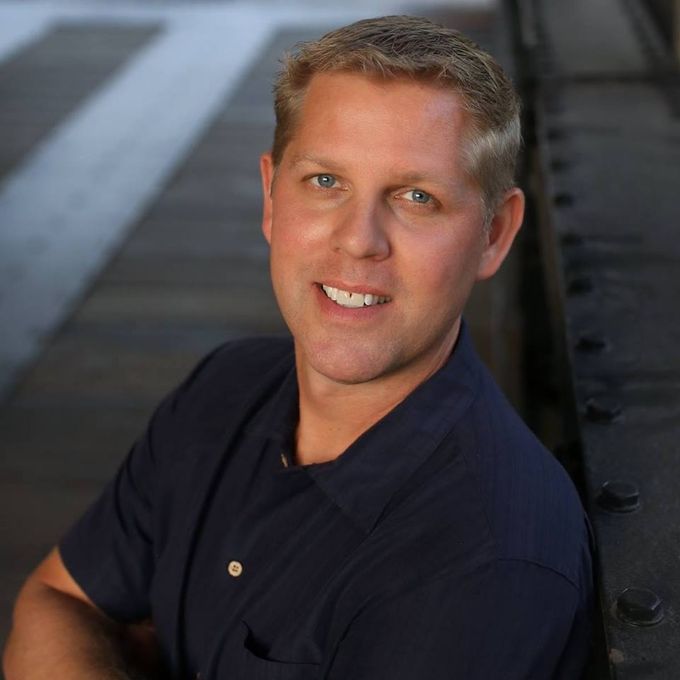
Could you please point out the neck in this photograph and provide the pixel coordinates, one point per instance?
(333, 415)
(331, 419)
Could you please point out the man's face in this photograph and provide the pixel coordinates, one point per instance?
(376, 233)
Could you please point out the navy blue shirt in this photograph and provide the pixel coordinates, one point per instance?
(444, 543)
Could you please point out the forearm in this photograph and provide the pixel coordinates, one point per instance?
(55, 635)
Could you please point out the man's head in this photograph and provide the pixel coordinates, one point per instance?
(374, 207)
(410, 47)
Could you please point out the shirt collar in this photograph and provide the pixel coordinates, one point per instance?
(364, 478)
(278, 417)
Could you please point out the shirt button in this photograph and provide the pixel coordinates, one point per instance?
(235, 568)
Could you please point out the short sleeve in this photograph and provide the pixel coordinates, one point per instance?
(110, 550)
(510, 619)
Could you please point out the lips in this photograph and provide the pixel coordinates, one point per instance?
(354, 300)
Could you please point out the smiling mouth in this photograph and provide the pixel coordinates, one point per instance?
(354, 300)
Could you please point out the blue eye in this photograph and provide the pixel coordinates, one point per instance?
(324, 181)
(418, 196)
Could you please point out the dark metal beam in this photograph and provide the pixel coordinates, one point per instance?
(604, 170)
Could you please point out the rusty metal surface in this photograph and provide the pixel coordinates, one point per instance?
(606, 184)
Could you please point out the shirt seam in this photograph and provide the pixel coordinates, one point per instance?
(540, 565)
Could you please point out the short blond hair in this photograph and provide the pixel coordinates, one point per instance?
(404, 46)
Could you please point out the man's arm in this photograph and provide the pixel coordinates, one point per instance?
(58, 632)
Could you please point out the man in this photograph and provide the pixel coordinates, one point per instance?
(361, 503)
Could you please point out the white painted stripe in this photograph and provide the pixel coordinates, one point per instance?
(18, 28)
(70, 203)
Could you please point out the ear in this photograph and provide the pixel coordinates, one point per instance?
(502, 231)
(267, 174)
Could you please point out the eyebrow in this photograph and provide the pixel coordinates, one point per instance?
(300, 158)
(415, 177)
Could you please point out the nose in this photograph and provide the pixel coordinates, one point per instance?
(361, 231)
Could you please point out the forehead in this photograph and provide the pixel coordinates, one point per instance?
(370, 116)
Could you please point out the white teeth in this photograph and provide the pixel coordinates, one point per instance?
(354, 300)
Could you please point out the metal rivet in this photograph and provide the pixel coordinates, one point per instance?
(580, 285)
(571, 239)
(619, 496)
(616, 656)
(639, 607)
(562, 200)
(554, 134)
(590, 342)
(558, 165)
(554, 103)
(235, 568)
(602, 410)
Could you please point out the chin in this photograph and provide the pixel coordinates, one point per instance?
(348, 367)
(347, 373)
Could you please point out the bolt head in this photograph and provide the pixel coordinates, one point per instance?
(602, 410)
(591, 342)
(562, 200)
(571, 238)
(639, 607)
(580, 285)
(559, 165)
(619, 496)
(555, 134)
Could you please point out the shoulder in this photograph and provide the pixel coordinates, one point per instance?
(237, 367)
(493, 494)
(242, 360)
(220, 392)
(531, 503)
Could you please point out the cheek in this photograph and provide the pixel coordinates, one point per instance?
(297, 226)
(443, 258)
(295, 248)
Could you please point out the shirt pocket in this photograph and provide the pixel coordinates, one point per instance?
(256, 666)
